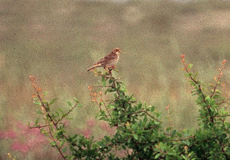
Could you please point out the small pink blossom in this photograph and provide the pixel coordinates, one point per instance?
(90, 122)
(107, 128)
(66, 122)
(20, 147)
(87, 133)
(8, 134)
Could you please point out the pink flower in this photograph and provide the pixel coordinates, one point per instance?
(7, 134)
(90, 122)
(11, 134)
(87, 133)
(66, 122)
(107, 128)
(20, 147)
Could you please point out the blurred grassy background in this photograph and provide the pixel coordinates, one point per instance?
(56, 41)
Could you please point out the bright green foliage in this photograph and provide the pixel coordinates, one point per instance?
(139, 129)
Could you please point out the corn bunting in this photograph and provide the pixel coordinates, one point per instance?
(108, 61)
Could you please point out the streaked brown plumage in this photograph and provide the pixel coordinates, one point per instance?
(108, 61)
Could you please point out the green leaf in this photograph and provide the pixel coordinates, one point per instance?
(79, 105)
(64, 149)
(57, 113)
(157, 155)
(37, 103)
(135, 136)
(53, 143)
(188, 75)
(45, 93)
(187, 143)
(107, 138)
(216, 96)
(43, 131)
(110, 106)
(195, 75)
(110, 81)
(145, 119)
(60, 110)
(168, 128)
(62, 142)
(39, 112)
(179, 134)
(53, 101)
(152, 108)
(76, 100)
(212, 102)
(36, 122)
(69, 103)
(173, 133)
(45, 103)
(47, 108)
(139, 106)
(190, 66)
(183, 157)
(123, 146)
(104, 83)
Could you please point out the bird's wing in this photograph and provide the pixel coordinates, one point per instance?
(106, 59)
(101, 61)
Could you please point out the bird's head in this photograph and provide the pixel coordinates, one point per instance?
(115, 50)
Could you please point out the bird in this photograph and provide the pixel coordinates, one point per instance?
(108, 61)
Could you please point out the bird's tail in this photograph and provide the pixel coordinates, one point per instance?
(94, 66)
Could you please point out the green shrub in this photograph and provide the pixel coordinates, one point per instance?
(139, 130)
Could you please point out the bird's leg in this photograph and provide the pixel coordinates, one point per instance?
(110, 69)
(106, 68)
(113, 67)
